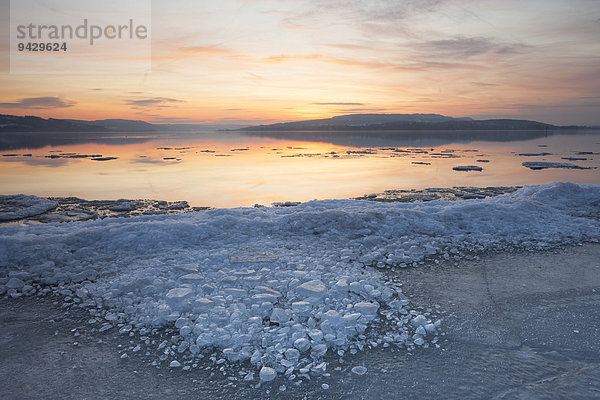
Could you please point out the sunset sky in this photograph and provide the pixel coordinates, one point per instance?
(263, 61)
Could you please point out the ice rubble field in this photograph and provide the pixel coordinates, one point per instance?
(280, 287)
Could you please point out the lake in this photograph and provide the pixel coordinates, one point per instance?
(235, 168)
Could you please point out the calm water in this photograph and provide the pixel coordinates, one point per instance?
(225, 169)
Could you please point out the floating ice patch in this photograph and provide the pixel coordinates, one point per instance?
(467, 168)
(535, 165)
(104, 158)
(534, 154)
(315, 294)
(13, 207)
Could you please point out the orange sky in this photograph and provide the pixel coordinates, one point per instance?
(262, 61)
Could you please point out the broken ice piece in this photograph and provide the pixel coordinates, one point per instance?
(359, 370)
(314, 288)
(267, 374)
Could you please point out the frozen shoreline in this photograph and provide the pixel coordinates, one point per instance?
(69, 209)
(510, 327)
(284, 291)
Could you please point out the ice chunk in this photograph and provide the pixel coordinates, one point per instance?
(191, 278)
(419, 320)
(124, 206)
(293, 355)
(175, 364)
(23, 206)
(235, 292)
(302, 344)
(314, 288)
(315, 335)
(367, 308)
(15, 283)
(267, 374)
(318, 350)
(176, 295)
(280, 316)
(301, 308)
(359, 370)
(264, 297)
(190, 267)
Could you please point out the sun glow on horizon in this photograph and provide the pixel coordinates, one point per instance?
(248, 63)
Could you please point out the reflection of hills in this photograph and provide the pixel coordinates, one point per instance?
(402, 122)
(36, 140)
(367, 138)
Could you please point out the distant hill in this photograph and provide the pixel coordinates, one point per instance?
(119, 124)
(401, 122)
(11, 123)
(351, 122)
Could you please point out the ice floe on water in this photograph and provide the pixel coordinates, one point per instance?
(467, 168)
(13, 207)
(544, 165)
(277, 290)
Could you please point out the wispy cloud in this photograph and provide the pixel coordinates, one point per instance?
(465, 47)
(153, 102)
(485, 84)
(362, 110)
(175, 120)
(339, 104)
(39, 103)
(409, 65)
(203, 50)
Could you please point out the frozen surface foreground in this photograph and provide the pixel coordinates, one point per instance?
(280, 287)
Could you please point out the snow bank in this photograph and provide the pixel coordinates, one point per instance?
(19, 206)
(281, 287)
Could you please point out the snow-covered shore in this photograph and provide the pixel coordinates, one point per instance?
(280, 287)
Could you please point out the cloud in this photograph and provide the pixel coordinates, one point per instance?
(408, 65)
(339, 104)
(465, 47)
(152, 102)
(203, 50)
(484, 84)
(175, 120)
(39, 103)
(358, 110)
(350, 46)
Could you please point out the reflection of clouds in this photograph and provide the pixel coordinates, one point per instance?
(146, 160)
(39, 161)
(367, 138)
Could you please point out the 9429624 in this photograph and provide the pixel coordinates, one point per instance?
(35, 46)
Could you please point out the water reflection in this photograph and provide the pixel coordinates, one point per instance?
(38, 140)
(411, 138)
(225, 169)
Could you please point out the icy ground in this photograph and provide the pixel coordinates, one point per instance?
(275, 290)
